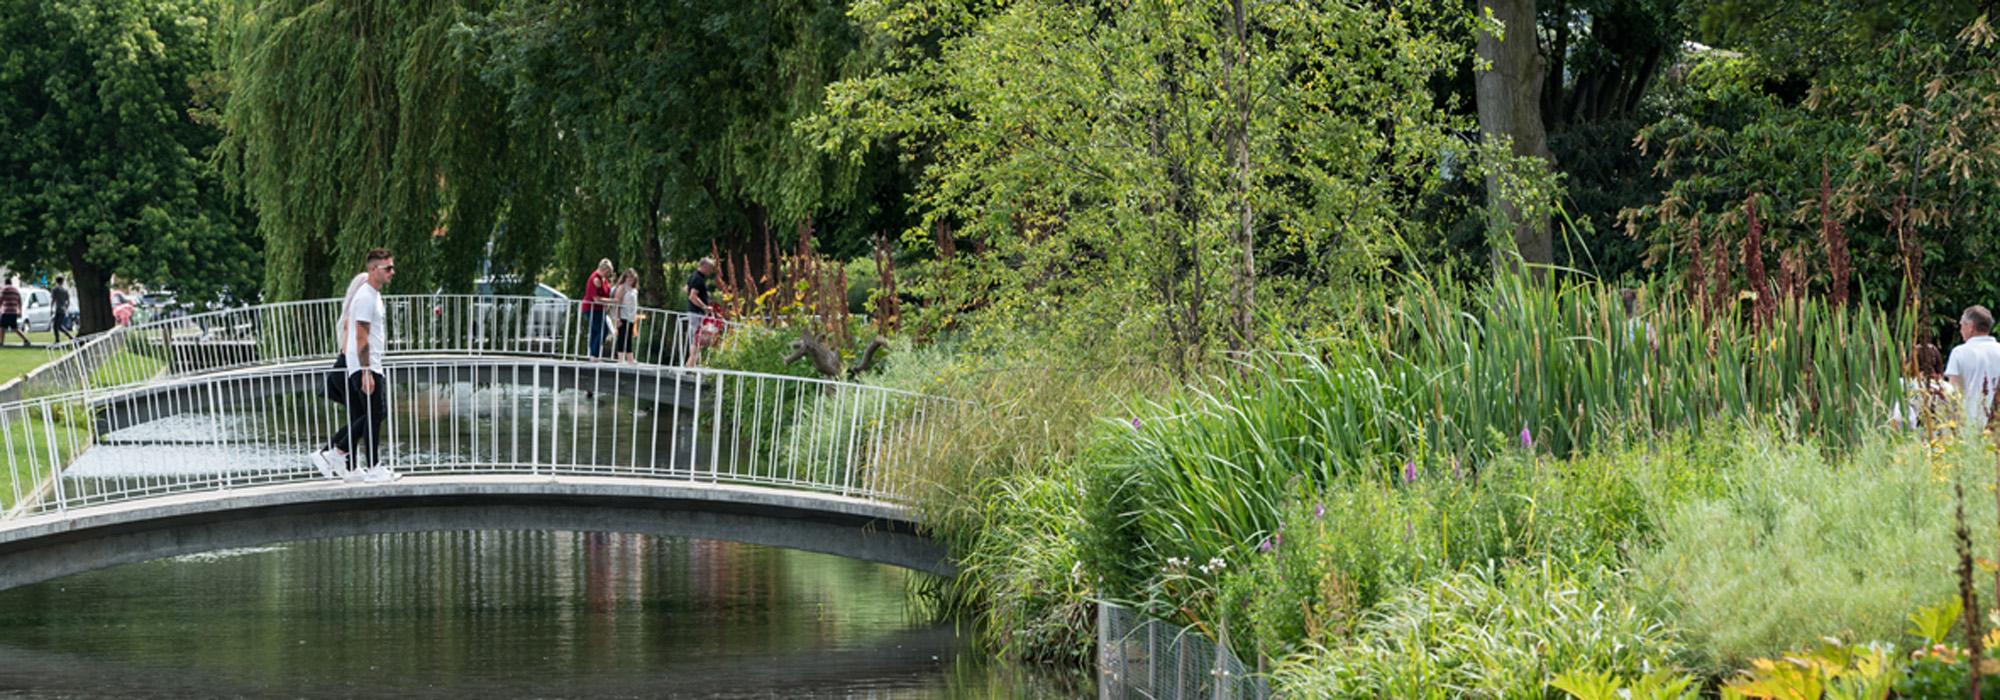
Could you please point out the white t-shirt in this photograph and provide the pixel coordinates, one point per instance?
(1977, 364)
(628, 307)
(366, 307)
(360, 280)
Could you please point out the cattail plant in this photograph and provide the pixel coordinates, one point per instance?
(1697, 272)
(1840, 268)
(887, 307)
(1968, 596)
(1719, 292)
(1753, 266)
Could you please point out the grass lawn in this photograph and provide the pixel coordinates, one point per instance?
(24, 456)
(16, 360)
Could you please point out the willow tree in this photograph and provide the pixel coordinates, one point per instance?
(104, 146)
(678, 119)
(361, 123)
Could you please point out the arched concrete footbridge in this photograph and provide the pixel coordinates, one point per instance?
(134, 448)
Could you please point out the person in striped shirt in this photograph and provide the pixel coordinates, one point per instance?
(10, 312)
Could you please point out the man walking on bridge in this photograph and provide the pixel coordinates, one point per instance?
(367, 338)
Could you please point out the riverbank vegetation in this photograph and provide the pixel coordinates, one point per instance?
(1347, 513)
(1444, 481)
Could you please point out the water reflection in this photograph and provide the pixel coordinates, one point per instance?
(500, 614)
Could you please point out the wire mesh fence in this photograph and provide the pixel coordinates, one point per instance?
(1142, 658)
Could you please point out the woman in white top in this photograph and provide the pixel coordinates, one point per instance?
(626, 296)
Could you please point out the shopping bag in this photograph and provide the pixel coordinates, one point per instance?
(709, 332)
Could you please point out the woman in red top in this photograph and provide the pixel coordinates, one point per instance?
(596, 298)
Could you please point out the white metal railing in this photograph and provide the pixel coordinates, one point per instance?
(304, 331)
(483, 407)
(470, 416)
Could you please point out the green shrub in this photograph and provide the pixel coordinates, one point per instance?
(1486, 633)
(753, 347)
(862, 279)
(1797, 547)
(1343, 548)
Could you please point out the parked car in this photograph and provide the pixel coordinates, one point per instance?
(546, 314)
(542, 324)
(38, 309)
(159, 304)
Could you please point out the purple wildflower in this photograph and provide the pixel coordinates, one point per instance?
(1527, 439)
(1135, 422)
(1409, 471)
(1319, 511)
(1409, 530)
(1264, 546)
(1277, 538)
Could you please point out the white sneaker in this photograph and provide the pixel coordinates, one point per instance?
(323, 459)
(379, 475)
(346, 465)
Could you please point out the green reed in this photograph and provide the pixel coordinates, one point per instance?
(1452, 379)
(1567, 365)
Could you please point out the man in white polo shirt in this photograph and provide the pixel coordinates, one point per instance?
(1975, 365)
(367, 338)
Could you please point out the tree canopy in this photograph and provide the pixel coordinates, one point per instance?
(1172, 170)
(106, 130)
(1176, 172)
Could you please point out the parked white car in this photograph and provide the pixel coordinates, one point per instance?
(38, 309)
(546, 315)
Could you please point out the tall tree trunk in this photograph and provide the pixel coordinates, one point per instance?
(1509, 95)
(1243, 284)
(752, 252)
(1552, 82)
(1180, 283)
(93, 290)
(653, 291)
(1647, 69)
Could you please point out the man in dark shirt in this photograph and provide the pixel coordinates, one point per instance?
(59, 324)
(10, 311)
(699, 306)
(697, 286)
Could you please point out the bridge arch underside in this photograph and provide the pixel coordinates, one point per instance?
(51, 547)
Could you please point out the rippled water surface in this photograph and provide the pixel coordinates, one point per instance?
(495, 615)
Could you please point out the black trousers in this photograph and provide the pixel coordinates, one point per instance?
(365, 413)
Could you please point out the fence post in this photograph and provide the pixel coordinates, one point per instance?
(1219, 671)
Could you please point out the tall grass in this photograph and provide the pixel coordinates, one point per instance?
(1567, 364)
(1456, 380)
(1003, 489)
(1487, 633)
(1798, 547)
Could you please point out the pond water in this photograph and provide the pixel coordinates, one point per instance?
(497, 614)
